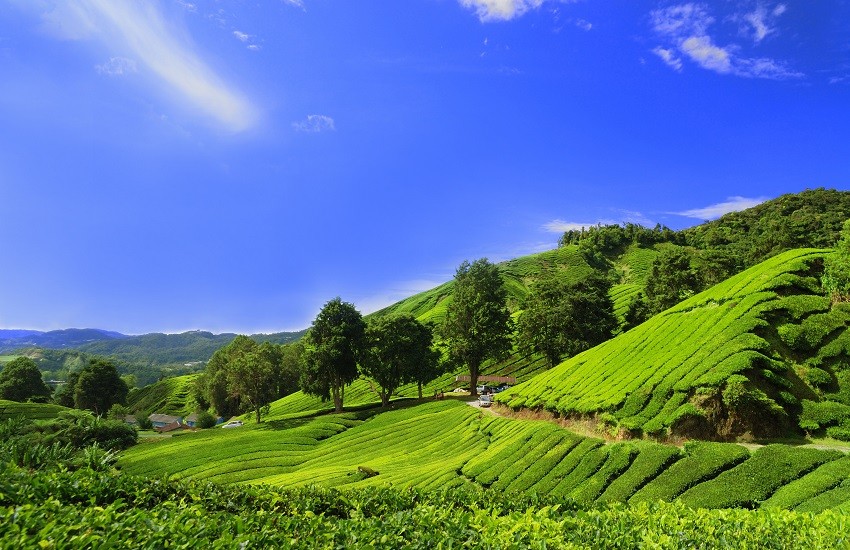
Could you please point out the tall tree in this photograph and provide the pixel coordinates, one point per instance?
(216, 381)
(398, 350)
(478, 324)
(253, 376)
(99, 386)
(567, 317)
(333, 347)
(20, 380)
(670, 280)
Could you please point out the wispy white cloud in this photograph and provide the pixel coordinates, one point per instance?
(295, 3)
(241, 36)
(761, 22)
(188, 6)
(117, 66)
(314, 124)
(669, 57)
(685, 29)
(500, 10)
(160, 47)
(583, 24)
(732, 204)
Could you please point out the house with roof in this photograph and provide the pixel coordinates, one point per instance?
(162, 420)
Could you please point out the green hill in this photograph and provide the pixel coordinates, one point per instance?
(168, 396)
(445, 444)
(734, 360)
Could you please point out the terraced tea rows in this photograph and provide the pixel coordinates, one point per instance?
(32, 411)
(447, 444)
(688, 368)
(168, 396)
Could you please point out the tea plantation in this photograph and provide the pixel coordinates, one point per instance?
(761, 354)
(447, 444)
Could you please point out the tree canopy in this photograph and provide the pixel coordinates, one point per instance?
(398, 350)
(478, 324)
(836, 274)
(98, 386)
(567, 317)
(245, 376)
(670, 280)
(20, 380)
(333, 347)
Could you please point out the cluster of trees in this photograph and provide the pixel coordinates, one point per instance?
(246, 376)
(96, 387)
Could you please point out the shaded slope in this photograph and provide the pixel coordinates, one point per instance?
(168, 396)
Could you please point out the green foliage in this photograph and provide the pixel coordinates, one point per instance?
(20, 380)
(703, 461)
(478, 324)
(671, 280)
(711, 366)
(566, 318)
(29, 411)
(205, 420)
(821, 414)
(836, 275)
(89, 509)
(96, 388)
(173, 395)
(242, 376)
(754, 480)
(822, 479)
(333, 347)
(398, 349)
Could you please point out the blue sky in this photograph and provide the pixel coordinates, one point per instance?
(168, 165)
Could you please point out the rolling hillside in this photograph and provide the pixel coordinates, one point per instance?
(734, 360)
(445, 444)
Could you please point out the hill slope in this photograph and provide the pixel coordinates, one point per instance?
(445, 444)
(724, 363)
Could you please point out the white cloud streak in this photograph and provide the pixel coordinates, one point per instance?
(686, 27)
(732, 204)
(164, 50)
(500, 10)
(314, 124)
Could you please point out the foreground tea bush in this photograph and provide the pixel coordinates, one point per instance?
(86, 509)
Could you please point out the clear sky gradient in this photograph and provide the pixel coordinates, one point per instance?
(168, 165)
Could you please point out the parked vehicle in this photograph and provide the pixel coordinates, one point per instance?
(485, 400)
(233, 424)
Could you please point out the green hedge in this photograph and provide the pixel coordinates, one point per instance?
(703, 461)
(754, 480)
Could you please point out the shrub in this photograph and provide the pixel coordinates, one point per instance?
(205, 420)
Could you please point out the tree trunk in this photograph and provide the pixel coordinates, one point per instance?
(258, 415)
(335, 393)
(473, 379)
(385, 399)
(420, 390)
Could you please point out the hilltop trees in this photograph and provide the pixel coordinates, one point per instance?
(478, 324)
(20, 380)
(567, 317)
(398, 350)
(333, 347)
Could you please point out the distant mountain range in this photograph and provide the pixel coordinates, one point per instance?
(150, 349)
(12, 339)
